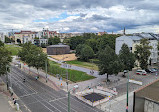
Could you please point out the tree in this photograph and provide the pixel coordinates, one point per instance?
(93, 44)
(126, 57)
(109, 62)
(79, 49)
(1, 44)
(107, 40)
(142, 53)
(54, 41)
(37, 58)
(86, 53)
(5, 59)
(8, 40)
(75, 41)
(33, 56)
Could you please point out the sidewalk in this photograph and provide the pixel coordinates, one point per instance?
(5, 99)
(4, 105)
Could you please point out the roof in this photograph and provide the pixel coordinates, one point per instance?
(135, 37)
(150, 91)
(150, 36)
(58, 46)
(131, 37)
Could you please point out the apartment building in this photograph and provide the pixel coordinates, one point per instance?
(24, 36)
(132, 41)
(2, 37)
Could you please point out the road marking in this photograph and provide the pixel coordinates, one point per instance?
(34, 97)
(84, 105)
(57, 99)
(27, 95)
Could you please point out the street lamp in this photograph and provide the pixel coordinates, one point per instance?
(46, 70)
(7, 77)
(127, 92)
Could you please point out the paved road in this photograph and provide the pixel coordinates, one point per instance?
(40, 98)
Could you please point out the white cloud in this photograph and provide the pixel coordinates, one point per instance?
(140, 16)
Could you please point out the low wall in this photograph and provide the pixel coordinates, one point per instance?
(80, 94)
(107, 90)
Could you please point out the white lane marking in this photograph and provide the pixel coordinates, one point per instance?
(84, 105)
(39, 100)
(57, 99)
(27, 95)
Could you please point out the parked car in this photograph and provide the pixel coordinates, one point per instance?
(141, 72)
(149, 70)
(153, 70)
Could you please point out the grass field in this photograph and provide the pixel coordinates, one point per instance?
(13, 49)
(83, 64)
(74, 75)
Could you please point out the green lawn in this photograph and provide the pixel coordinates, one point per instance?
(74, 75)
(14, 49)
(83, 64)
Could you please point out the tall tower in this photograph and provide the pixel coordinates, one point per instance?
(124, 31)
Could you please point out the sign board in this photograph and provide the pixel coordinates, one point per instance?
(135, 82)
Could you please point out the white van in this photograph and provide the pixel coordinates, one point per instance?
(141, 72)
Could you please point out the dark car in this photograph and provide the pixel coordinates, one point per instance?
(148, 71)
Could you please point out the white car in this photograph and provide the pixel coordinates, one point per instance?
(141, 72)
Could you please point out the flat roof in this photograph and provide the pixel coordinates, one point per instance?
(58, 46)
(150, 91)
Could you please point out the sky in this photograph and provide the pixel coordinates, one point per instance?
(80, 15)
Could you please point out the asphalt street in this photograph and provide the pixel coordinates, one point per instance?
(38, 97)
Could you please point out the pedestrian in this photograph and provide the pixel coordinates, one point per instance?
(24, 80)
(36, 78)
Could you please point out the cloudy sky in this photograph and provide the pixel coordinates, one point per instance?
(80, 15)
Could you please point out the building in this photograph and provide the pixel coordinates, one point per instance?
(40, 41)
(102, 33)
(25, 36)
(132, 41)
(58, 49)
(146, 99)
(2, 37)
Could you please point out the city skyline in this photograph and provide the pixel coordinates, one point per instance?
(80, 16)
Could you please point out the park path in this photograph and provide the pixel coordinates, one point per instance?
(86, 70)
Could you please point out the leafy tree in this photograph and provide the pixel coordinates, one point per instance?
(5, 59)
(79, 49)
(107, 40)
(1, 44)
(75, 41)
(109, 62)
(126, 57)
(26, 49)
(33, 56)
(86, 53)
(93, 44)
(143, 53)
(54, 41)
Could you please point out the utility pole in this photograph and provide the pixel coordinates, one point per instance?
(69, 101)
(46, 70)
(127, 92)
(10, 77)
(7, 78)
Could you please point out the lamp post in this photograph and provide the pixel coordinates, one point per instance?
(7, 78)
(127, 92)
(46, 70)
(69, 101)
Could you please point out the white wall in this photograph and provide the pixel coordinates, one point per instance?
(120, 41)
(154, 51)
